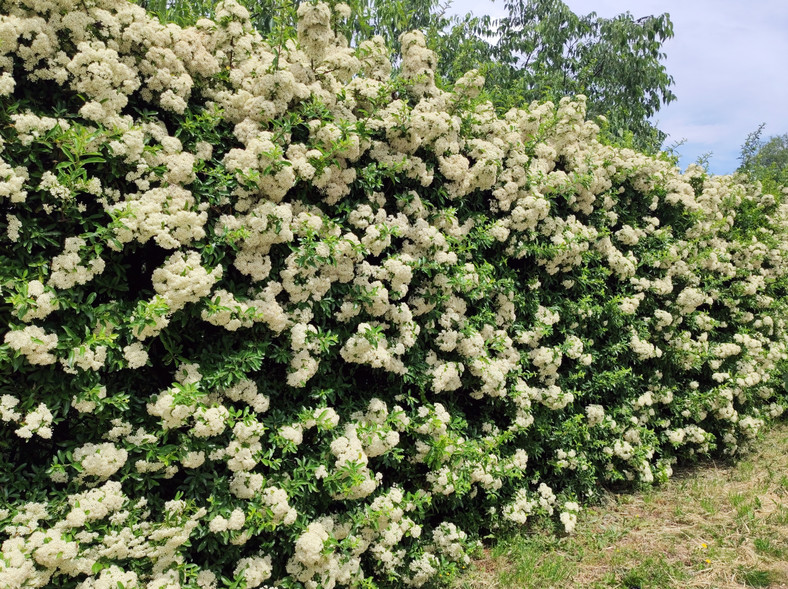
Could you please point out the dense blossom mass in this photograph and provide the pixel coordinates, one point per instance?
(274, 313)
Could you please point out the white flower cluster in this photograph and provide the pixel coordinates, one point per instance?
(183, 280)
(166, 215)
(41, 302)
(67, 268)
(569, 516)
(135, 355)
(34, 343)
(316, 566)
(38, 421)
(246, 391)
(255, 570)
(99, 460)
(37, 548)
(351, 457)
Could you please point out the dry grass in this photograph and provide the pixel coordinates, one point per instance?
(712, 526)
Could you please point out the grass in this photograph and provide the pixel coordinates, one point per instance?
(712, 526)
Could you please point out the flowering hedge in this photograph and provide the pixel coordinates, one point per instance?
(273, 315)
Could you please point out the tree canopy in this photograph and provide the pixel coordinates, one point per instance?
(765, 160)
(544, 51)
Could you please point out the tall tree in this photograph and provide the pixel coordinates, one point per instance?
(182, 12)
(774, 153)
(765, 160)
(543, 50)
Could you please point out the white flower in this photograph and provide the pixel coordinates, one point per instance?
(100, 460)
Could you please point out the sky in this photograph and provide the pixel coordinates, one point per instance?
(729, 61)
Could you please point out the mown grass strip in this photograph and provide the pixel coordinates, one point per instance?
(714, 525)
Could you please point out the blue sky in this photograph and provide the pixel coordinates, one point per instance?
(729, 59)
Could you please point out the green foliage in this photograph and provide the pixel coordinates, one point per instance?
(181, 12)
(766, 161)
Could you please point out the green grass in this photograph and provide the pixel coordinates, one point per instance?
(712, 526)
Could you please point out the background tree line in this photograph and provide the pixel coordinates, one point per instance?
(766, 159)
